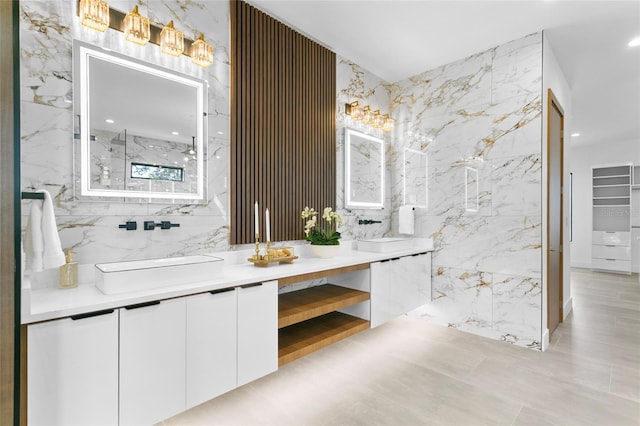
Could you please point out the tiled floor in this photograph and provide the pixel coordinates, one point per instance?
(409, 372)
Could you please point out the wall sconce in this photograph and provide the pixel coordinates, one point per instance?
(94, 14)
(354, 110)
(136, 27)
(201, 52)
(369, 117)
(171, 40)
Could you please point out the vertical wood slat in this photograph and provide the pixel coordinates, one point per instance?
(9, 221)
(283, 141)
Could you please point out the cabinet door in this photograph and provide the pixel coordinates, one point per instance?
(152, 361)
(380, 297)
(73, 370)
(257, 331)
(414, 276)
(211, 345)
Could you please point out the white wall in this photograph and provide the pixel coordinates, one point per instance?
(582, 159)
(553, 78)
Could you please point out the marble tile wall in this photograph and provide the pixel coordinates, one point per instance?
(354, 83)
(47, 30)
(482, 112)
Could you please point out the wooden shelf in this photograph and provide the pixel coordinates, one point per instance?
(308, 336)
(321, 274)
(301, 305)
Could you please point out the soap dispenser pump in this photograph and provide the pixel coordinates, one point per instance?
(69, 272)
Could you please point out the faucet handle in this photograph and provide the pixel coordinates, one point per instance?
(165, 224)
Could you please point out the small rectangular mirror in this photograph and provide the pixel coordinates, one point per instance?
(364, 174)
(415, 181)
(141, 129)
(471, 190)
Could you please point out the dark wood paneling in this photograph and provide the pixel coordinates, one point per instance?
(283, 139)
(8, 314)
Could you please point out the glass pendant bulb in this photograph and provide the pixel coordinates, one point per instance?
(201, 52)
(94, 14)
(136, 27)
(388, 123)
(171, 40)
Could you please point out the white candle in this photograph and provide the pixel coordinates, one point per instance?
(256, 217)
(266, 218)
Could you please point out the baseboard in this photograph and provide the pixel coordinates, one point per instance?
(545, 340)
(567, 307)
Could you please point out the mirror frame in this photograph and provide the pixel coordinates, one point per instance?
(83, 52)
(349, 202)
(404, 177)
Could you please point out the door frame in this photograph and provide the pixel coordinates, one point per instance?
(553, 103)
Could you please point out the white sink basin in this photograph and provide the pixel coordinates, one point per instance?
(385, 245)
(137, 275)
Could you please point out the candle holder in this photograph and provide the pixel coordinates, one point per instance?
(257, 255)
(269, 255)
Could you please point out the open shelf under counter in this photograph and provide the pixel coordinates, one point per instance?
(301, 305)
(303, 338)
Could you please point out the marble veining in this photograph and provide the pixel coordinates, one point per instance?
(482, 112)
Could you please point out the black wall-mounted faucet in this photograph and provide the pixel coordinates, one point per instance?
(150, 225)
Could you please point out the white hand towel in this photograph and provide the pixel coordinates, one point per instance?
(42, 242)
(405, 219)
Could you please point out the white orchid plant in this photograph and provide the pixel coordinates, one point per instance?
(321, 235)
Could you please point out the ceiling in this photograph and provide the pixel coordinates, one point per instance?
(399, 39)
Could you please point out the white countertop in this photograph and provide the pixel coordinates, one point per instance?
(51, 302)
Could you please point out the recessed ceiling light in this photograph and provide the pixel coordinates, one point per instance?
(575, 135)
(221, 133)
(175, 133)
(110, 121)
(635, 42)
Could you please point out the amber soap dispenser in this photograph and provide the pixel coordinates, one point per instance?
(69, 272)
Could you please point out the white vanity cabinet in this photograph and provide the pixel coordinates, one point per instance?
(73, 370)
(399, 285)
(152, 361)
(211, 345)
(257, 330)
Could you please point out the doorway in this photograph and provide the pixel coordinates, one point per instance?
(555, 171)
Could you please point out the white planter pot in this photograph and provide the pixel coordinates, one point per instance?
(325, 252)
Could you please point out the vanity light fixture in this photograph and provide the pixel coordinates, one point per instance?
(136, 27)
(171, 40)
(201, 52)
(94, 14)
(368, 117)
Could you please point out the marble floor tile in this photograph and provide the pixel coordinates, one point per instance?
(411, 372)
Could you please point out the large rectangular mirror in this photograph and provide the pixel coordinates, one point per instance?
(364, 174)
(141, 129)
(415, 178)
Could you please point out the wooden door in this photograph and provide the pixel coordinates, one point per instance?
(555, 143)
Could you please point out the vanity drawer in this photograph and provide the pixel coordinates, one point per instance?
(611, 265)
(611, 252)
(612, 238)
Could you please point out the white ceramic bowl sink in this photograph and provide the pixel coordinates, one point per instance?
(385, 245)
(137, 275)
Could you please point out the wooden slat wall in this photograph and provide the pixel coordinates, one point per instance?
(283, 131)
(9, 381)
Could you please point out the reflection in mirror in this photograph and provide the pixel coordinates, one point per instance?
(364, 175)
(471, 190)
(141, 128)
(415, 178)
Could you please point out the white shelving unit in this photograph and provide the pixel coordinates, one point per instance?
(611, 204)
